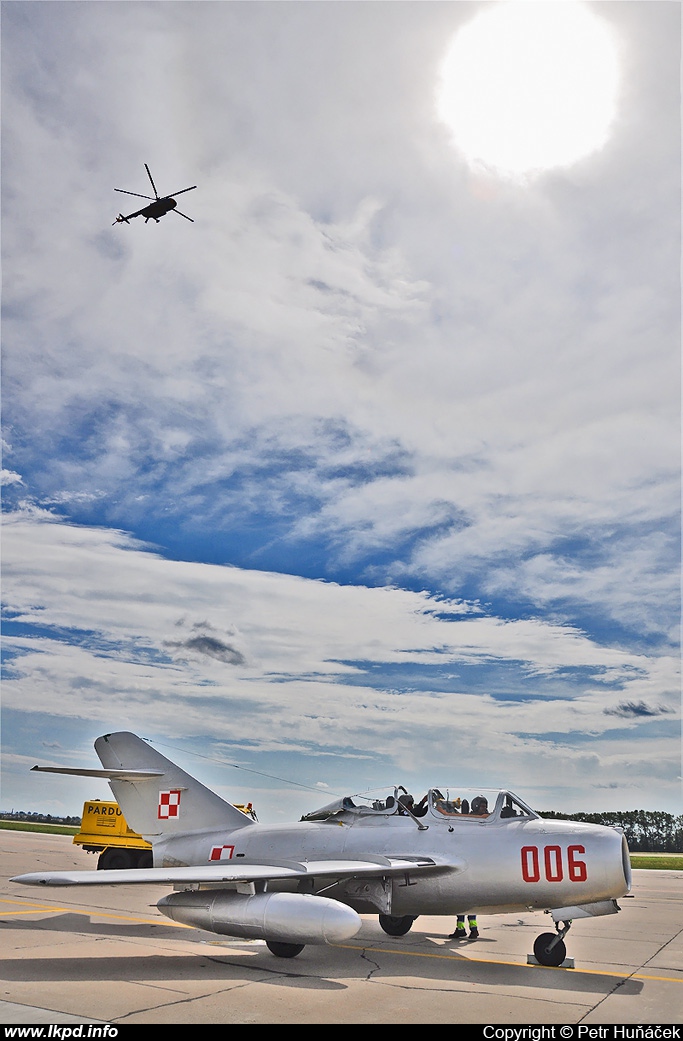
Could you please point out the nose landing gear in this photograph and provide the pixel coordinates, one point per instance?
(549, 948)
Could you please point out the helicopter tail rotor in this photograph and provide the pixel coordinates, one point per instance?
(121, 219)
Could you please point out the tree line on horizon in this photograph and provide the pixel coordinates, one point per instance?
(31, 817)
(646, 831)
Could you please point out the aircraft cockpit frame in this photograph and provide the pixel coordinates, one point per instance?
(478, 804)
(458, 804)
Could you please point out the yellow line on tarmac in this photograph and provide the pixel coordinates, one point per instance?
(31, 908)
(509, 964)
(37, 908)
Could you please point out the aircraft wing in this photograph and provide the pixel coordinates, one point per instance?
(229, 872)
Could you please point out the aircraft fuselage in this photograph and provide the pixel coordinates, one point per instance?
(155, 210)
(489, 865)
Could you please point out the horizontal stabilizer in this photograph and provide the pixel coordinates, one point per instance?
(119, 775)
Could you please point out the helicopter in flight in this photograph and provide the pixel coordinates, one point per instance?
(158, 206)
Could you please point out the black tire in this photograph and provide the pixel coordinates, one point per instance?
(114, 860)
(145, 859)
(546, 955)
(396, 926)
(284, 950)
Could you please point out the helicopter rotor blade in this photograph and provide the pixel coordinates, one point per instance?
(183, 215)
(133, 193)
(172, 195)
(154, 187)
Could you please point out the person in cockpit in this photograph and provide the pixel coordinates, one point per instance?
(405, 802)
(508, 809)
(421, 807)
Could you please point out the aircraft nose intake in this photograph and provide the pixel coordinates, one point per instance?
(626, 863)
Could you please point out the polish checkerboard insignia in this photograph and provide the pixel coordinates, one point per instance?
(222, 852)
(169, 804)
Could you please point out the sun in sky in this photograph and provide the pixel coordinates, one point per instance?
(527, 87)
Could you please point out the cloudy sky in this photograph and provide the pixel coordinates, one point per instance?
(371, 474)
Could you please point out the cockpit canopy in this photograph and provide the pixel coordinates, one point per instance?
(452, 804)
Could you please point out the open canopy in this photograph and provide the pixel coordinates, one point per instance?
(452, 803)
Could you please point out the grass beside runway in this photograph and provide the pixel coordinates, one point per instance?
(51, 829)
(658, 861)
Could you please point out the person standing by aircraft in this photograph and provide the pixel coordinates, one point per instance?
(480, 808)
(460, 931)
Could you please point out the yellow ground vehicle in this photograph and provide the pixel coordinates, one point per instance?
(104, 830)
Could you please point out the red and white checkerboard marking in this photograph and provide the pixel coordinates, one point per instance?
(221, 852)
(169, 804)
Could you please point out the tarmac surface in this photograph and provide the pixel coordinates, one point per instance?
(107, 956)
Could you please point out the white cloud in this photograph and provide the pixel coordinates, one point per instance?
(305, 667)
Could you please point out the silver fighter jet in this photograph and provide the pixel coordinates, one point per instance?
(309, 882)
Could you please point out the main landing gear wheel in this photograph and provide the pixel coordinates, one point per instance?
(396, 925)
(547, 955)
(284, 950)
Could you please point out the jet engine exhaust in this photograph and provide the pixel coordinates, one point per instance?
(288, 917)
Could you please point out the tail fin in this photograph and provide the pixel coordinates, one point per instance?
(169, 803)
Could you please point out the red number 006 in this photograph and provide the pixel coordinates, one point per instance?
(552, 864)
